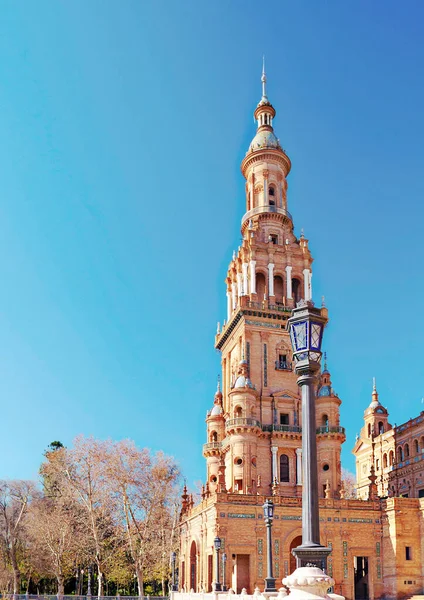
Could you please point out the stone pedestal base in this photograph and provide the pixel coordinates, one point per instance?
(308, 583)
(311, 556)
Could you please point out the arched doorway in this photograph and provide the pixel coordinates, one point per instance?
(193, 573)
(295, 543)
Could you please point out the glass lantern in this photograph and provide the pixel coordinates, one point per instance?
(268, 510)
(306, 329)
(217, 543)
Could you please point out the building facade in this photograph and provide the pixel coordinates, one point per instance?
(254, 428)
(395, 454)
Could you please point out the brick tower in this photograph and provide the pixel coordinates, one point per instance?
(257, 429)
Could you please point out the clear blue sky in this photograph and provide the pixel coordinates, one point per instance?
(122, 128)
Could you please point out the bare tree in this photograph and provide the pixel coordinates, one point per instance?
(348, 484)
(143, 491)
(15, 496)
(79, 473)
(56, 530)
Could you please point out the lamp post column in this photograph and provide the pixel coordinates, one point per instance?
(268, 518)
(217, 544)
(306, 330)
(310, 503)
(270, 580)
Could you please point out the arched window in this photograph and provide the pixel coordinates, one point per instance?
(278, 289)
(406, 450)
(416, 447)
(238, 412)
(260, 286)
(400, 454)
(384, 461)
(271, 195)
(391, 458)
(284, 468)
(324, 420)
(214, 436)
(380, 427)
(369, 429)
(296, 290)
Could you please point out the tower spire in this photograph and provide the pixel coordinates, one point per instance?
(263, 79)
(374, 390)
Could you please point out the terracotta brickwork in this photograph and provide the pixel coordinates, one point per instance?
(254, 429)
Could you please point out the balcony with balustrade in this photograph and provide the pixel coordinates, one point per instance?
(240, 424)
(212, 449)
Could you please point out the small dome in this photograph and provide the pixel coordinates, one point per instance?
(264, 139)
(325, 391)
(243, 382)
(217, 410)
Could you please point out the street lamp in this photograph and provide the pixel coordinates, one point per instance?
(306, 327)
(217, 544)
(268, 518)
(224, 562)
(174, 587)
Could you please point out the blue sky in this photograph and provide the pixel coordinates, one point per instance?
(122, 128)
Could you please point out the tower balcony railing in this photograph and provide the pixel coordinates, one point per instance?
(283, 366)
(282, 428)
(245, 303)
(266, 209)
(211, 446)
(242, 422)
(330, 429)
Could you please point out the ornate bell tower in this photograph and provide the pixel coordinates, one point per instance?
(254, 429)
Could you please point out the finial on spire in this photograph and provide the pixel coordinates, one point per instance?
(218, 387)
(374, 387)
(263, 79)
(325, 361)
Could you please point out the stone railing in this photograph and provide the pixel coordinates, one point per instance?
(228, 595)
(242, 422)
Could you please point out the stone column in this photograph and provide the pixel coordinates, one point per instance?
(274, 451)
(239, 285)
(253, 276)
(266, 199)
(306, 284)
(299, 466)
(245, 268)
(229, 304)
(234, 294)
(271, 279)
(289, 282)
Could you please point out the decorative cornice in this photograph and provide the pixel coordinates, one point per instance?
(263, 156)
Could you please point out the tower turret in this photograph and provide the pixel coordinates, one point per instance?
(330, 435)
(375, 416)
(215, 425)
